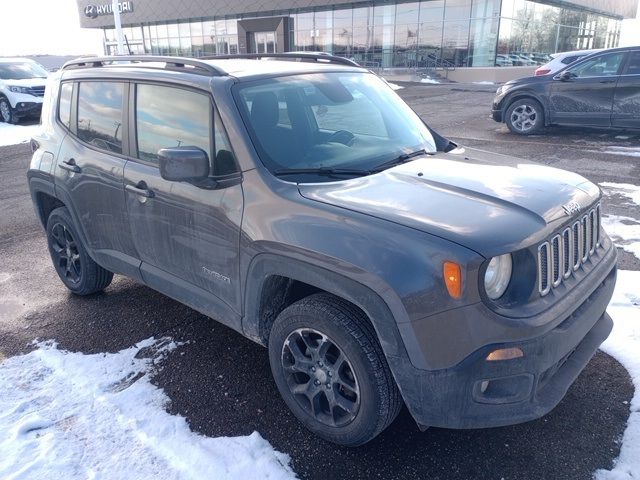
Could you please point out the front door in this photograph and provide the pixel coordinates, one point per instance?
(187, 236)
(584, 94)
(263, 42)
(626, 102)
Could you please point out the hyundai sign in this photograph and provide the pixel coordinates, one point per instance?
(94, 11)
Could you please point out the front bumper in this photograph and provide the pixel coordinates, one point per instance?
(24, 109)
(477, 393)
(496, 114)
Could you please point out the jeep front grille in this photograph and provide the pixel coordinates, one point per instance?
(568, 250)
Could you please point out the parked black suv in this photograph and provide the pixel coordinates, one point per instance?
(305, 205)
(600, 90)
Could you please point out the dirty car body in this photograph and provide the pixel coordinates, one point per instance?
(324, 188)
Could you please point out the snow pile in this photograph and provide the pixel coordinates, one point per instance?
(74, 416)
(395, 86)
(624, 345)
(484, 82)
(14, 134)
(428, 80)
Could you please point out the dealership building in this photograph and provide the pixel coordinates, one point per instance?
(460, 33)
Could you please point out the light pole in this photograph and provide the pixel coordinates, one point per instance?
(116, 20)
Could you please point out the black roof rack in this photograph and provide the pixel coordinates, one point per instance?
(198, 66)
(291, 56)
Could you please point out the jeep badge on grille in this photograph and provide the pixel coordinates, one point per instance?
(571, 208)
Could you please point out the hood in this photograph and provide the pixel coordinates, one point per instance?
(26, 82)
(474, 201)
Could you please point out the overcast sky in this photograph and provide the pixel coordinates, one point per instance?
(35, 27)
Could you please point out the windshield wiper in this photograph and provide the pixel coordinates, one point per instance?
(322, 171)
(400, 159)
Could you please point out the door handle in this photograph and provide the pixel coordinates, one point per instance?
(140, 189)
(70, 166)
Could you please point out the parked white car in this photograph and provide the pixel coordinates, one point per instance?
(22, 83)
(561, 60)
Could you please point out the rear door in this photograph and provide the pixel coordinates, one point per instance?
(187, 236)
(90, 168)
(626, 103)
(586, 98)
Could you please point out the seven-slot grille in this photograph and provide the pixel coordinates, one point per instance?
(37, 91)
(565, 253)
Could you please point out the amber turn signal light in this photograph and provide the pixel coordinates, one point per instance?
(453, 278)
(505, 354)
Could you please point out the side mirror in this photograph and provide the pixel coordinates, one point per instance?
(183, 164)
(565, 76)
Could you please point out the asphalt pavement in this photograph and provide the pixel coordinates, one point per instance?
(221, 382)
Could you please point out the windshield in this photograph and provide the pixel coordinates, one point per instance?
(329, 120)
(21, 71)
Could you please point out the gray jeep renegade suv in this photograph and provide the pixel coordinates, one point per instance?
(301, 202)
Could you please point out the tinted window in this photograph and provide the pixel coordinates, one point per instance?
(634, 64)
(600, 66)
(570, 59)
(100, 115)
(64, 104)
(171, 117)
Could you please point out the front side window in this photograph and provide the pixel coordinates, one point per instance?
(600, 66)
(64, 104)
(169, 117)
(100, 115)
(335, 120)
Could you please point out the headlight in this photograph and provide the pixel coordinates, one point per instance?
(497, 276)
(19, 89)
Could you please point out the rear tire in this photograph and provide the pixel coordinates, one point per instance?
(525, 116)
(331, 371)
(7, 113)
(74, 266)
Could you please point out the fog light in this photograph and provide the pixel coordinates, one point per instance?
(505, 354)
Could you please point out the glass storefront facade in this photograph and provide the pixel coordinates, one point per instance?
(483, 33)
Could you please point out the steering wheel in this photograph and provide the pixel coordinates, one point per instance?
(344, 137)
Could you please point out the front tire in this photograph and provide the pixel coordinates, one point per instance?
(525, 116)
(7, 113)
(74, 266)
(331, 371)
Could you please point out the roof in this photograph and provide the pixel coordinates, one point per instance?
(237, 66)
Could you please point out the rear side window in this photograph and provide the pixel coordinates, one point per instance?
(64, 104)
(171, 117)
(634, 64)
(570, 59)
(100, 115)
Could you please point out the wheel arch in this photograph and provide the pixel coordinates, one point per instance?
(274, 282)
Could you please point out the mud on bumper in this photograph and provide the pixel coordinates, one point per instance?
(477, 393)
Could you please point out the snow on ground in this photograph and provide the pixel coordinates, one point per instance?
(428, 80)
(484, 82)
(632, 192)
(395, 86)
(624, 345)
(625, 151)
(75, 416)
(14, 134)
(624, 231)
